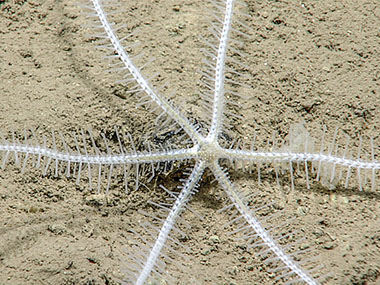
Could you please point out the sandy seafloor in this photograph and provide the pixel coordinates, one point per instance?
(311, 61)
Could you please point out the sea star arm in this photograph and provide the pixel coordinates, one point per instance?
(94, 159)
(255, 156)
(187, 190)
(124, 57)
(219, 100)
(253, 222)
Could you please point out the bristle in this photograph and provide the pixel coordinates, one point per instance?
(259, 172)
(321, 152)
(347, 177)
(373, 181)
(358, 169)
(345, 153)
(306, 163)
(332, 174)
(291, 175)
